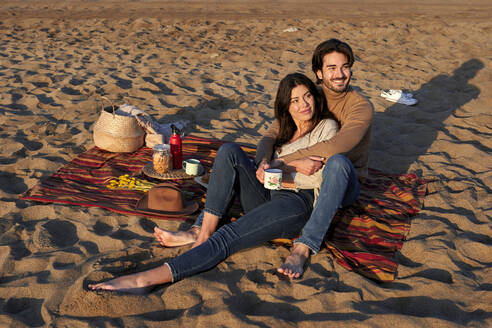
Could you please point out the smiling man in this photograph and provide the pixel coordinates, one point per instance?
(345, 155)
(335, 72)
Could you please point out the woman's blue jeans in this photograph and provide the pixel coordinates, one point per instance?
(269, 215)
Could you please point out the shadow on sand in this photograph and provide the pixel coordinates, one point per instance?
(423, 122)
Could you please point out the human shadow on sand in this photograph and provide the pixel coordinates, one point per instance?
(424, 121)
(439, 99)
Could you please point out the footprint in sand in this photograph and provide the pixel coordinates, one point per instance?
(56, 234)
(25, 310)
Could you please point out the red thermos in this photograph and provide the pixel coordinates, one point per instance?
(176, 151)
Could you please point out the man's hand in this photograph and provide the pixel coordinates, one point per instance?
(260, 172)
(307, 166)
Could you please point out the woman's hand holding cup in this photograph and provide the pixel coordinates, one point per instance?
(260, 172)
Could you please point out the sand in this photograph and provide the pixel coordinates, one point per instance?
(218, 64)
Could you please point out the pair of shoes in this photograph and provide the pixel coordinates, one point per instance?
(399, 96)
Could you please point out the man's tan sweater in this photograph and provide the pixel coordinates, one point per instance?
(354, 113)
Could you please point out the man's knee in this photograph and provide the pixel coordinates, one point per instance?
(337, 164)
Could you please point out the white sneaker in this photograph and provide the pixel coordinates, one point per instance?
(399, 96)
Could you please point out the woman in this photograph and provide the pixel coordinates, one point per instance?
(299, 108)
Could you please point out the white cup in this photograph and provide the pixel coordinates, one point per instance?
(273, 179)
(191, 166)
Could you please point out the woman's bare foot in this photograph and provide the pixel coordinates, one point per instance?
(137, 283)
(176, 238)
(293, 266)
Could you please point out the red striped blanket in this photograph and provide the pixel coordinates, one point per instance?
(364, 237)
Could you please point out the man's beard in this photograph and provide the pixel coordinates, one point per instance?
(338, 89)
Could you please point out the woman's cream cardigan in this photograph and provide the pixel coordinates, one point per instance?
(326, 129)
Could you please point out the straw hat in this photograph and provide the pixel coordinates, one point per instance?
(165, 199)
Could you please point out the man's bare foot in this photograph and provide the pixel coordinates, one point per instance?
(209, 225)
(293, 266)
(200, 240)
(203, 235)
(137, 283)
(176, 238)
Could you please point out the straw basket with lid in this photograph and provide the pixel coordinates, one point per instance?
(117, 133)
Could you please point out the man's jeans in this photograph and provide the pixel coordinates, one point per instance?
(269, 215)
(340, 187)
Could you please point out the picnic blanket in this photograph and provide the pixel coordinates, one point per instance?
(363, 237)
(84, 180)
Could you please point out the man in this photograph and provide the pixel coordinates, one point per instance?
(346, 154)
(346, 157)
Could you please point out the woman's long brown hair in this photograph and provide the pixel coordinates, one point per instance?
(282, 102)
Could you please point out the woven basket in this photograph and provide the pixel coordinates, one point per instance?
(117, 133)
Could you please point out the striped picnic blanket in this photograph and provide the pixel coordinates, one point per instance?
(364, 237)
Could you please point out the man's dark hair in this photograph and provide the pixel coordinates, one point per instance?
(329, 46)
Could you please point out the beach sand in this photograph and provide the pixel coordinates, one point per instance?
(218, 64)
